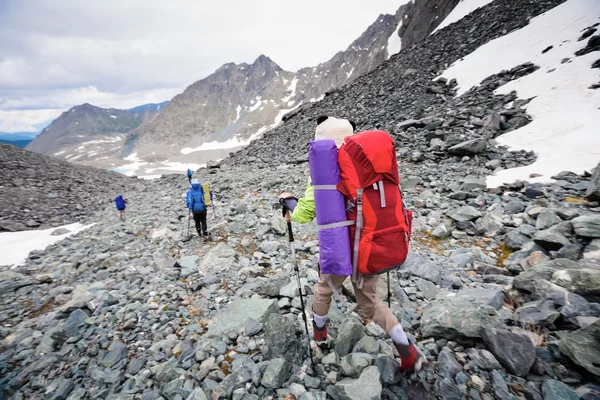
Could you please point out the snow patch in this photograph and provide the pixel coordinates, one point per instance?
(59, 153)
(149, 177)
(238, 109)
(292, 87)
(462, 9)
(113, 116)
(16, 246)
(349, 73)
(565, 112)
(256, 105)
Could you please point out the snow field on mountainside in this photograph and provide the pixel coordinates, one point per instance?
(564, 132)
(16, 246)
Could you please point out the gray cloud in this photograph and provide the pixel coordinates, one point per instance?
(58, 53)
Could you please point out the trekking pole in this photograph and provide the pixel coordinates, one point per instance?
(389, 292)
(286, 213)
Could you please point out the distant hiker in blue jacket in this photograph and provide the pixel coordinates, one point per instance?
(189, 175)
(120, 202)
(195, 203)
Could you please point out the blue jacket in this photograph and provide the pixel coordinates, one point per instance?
(195, 198)
(120, 202)
(189, 172)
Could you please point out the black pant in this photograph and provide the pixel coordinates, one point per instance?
(200, 218)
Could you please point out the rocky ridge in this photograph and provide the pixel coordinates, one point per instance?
(37, 191)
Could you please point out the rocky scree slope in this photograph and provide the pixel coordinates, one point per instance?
(37, 191)
(138, 310)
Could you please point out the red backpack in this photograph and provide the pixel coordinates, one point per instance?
(380, 234)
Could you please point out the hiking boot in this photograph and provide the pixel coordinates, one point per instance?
(320, 333)
(411, 358)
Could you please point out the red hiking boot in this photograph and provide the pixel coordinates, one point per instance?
(320, 333)
(411, 358)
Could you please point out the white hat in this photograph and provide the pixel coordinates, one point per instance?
(334, 128)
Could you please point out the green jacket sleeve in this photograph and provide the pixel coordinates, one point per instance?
(305, 210)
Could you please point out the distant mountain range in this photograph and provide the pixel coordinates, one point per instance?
(17, 136)
(235, 104)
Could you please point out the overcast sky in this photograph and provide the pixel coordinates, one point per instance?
(55, 54)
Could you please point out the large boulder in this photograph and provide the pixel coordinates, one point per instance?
(234, 318)
(417, 265)
(276, 373)
(515, 350)
(537, 313)
(556, 390)
(580, 277)
(459, 317)
(593, 192)
(587, 226)
(367, 387)
(551, 241)
(583, 347)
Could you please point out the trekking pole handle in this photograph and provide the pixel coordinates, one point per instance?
(290, 232)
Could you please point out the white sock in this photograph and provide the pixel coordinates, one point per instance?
(398, 336)
(319, 321)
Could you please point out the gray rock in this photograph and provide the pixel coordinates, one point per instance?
(252, 327)
(465, 213)
(197, 394)
(471, 183)
(514, 207)
(167, 372)
(491, 225)
(550, 241)
(219, 258)
(555, 390)
(457, 317)
(583, 347)
(518, 238)
(367, 345)
(53, 339)
(582, 278)
(537, 313)
(442, 231)
(483, 359)
(291, 289)
(354, 363)
(75, 322)
(468, 148)
(593, 192)
(546, 219)
(189, 265)
(429, 290)
(389, 370)
(367, 387)
(416, 265)
(448, 390)
(587, 226)
(237, 379)
(233, 319)
(282, 337)
(516, 351)
(448, 367)
(276, 374)
(62, 391)
(11, 281)
(59, 231)
(278, 225)
(116, 352)
(350, 332)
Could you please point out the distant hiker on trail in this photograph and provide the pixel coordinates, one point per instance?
(195, 203)
(189, 175)
(340, 179)
(120, 202)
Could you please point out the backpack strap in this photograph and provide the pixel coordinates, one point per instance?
(359, 223)
(325, 187)
(335, 225)
(337, 295)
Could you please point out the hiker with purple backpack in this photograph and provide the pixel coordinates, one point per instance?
(336, 198)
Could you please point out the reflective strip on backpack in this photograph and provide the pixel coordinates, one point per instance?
(335, 225)
(381, 195)
(359, 224)
(325, 187)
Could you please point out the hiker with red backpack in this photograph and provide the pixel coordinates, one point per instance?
(364, 227)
